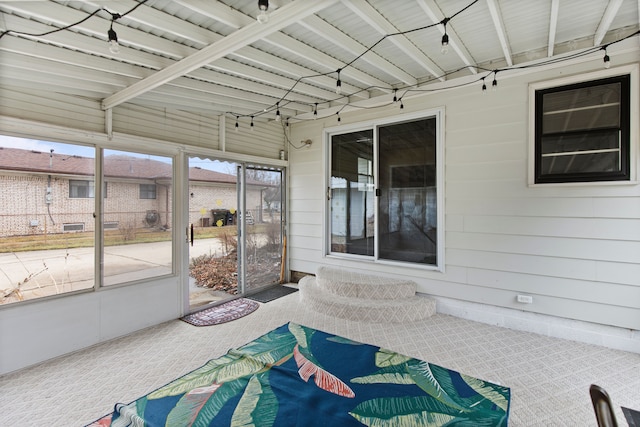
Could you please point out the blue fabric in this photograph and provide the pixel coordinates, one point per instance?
(299, 376)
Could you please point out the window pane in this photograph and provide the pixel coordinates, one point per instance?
(141, 245)
(605, 117)
(582, 132)
(46, 232)
(583, 108)
(408, 203)
(352, 193)
(581, 163)
(147, 191)
(584, 141)
(81, 189)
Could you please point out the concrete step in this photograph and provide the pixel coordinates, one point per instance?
(358, 285)
(398, 310)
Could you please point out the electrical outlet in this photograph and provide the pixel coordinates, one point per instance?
(525, 299)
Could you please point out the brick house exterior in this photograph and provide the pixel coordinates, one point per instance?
(53, 193)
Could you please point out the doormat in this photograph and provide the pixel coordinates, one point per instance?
(272, 293)
(223, 313)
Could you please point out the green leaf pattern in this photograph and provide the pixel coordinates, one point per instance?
(227, 368)
(488, 391)
(444, 406)
(258, 405)
(423, 376)
(386, 358)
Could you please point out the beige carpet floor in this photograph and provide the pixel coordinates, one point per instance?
(549, 377)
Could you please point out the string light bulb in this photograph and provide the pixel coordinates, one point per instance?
(339, 84)
(494, 83)
(252, 128)
(339, 119)
(484, 87)
(278, 117)
(237, 125)
(395, 95)
(606, 59)
(114, 47)
(263, 17)
(401, 104)
(445, 44)
(315, 111)
(445, 38)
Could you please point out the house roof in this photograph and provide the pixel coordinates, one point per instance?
(216, 58)
(115, 166)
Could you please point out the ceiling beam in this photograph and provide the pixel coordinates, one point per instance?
(285, 42)
(325, 61)
(279, 19)
(371, 16)
(327, 31)
(215, 10)
(435, 15)
(496, 16)
(605, 23)
(67, 48)
(553, 26)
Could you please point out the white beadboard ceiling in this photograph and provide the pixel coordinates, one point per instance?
(214, 57)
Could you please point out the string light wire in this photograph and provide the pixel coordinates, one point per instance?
(113, 16)
(416, 88)
(283, 101)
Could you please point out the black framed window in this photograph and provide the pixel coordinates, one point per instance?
(147, 191)
(582, 132)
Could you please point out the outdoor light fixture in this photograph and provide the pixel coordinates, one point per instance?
(339, 84)
(114, 47)
(606, 59)
(445, 44)
(278, 117)
(263, 5)
(445, 38)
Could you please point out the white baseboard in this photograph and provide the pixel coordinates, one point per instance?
(551, 326)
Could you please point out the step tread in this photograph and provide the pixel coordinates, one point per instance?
(354, 284)
(364, 309)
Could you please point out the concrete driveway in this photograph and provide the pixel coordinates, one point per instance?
(48, 272)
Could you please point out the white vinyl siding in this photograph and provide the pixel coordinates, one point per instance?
(574, 249)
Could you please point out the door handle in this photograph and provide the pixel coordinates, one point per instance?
(191, 234)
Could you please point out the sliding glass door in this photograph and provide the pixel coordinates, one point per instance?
(384, 199)
(407, 205)
(352, 202)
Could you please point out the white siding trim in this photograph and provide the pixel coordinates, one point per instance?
(543, 324)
